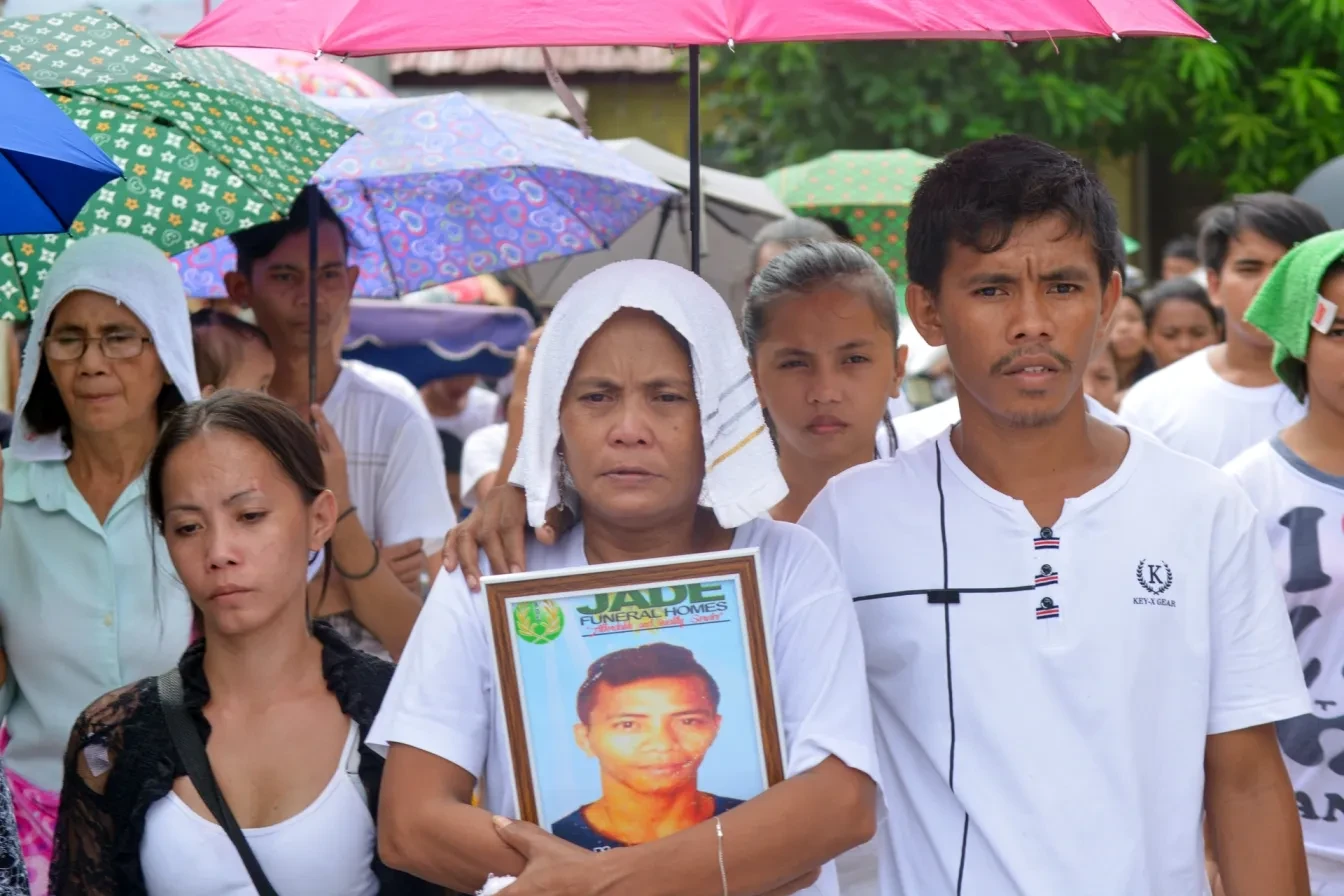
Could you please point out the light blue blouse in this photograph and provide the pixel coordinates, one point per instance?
(83, 608)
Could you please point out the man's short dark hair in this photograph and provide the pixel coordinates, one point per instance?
(258, 242)
(1279, 217)
(1182, 247)
(622, 667)
(978, 194)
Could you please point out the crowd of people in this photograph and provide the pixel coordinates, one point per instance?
(1028, 640)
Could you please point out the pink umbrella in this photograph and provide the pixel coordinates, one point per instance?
(314, 77)
(376, 27)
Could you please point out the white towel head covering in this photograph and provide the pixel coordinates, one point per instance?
(137, 275)
(742, 478)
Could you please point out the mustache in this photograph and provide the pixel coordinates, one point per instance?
(1002, 364)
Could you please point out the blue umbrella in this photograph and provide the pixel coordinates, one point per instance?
(430, 342)
(48, 167)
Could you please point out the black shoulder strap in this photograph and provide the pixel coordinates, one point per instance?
(187, 740)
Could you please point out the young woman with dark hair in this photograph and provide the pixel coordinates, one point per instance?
(279, 705)
(1180, 320)
(822, 330)
(1128, 339)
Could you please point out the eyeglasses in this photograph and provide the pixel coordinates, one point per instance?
(115, 346)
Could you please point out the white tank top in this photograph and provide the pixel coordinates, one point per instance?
(325, 850)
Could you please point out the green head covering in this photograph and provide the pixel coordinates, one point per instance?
(1285, 306)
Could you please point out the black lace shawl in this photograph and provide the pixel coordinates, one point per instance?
(97, 851)
(13, 875)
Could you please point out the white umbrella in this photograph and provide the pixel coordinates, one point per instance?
(736, 207)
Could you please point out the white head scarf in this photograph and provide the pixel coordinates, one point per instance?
(137, 275)
(742, 478)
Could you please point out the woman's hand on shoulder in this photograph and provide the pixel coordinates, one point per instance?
(498, 526)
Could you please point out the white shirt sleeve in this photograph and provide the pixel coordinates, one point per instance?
(819, 665)
(439, 699)
(482, 453)
(1256, 673)
(413, 500)
(821, 520)
(1134, 408)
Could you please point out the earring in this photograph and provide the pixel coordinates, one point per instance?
(567, 493)
(566, 485)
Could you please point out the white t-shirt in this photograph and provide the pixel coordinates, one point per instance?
(1302, 509)
(1191, 409)
(480, 410)
(1045, 733)
(444, 696)
(924, 424)
(395, 463)
(393, 454)
(482, 453)
(326, 848)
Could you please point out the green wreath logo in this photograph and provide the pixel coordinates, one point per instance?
(539, 622)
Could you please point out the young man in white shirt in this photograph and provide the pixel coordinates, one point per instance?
(1075, 637)
(924, 424)
(1218, 402)
(381, 448)
(1297, 480)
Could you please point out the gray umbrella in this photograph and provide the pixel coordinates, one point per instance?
(1324, 188)
(735, 207)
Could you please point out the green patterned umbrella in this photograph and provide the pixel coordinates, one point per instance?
(868, 190)
(209, 145)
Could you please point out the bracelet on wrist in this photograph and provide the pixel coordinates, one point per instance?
(355, 577)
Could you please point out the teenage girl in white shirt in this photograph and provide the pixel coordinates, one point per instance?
(821, 327)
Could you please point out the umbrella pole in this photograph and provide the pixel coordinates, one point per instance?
(696, 199)
(314, 211)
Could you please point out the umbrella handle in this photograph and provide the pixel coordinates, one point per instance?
(314, 219)
(696, 199)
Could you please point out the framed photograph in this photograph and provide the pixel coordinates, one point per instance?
(639, 698)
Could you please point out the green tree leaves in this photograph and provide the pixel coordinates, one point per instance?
(1260, 109)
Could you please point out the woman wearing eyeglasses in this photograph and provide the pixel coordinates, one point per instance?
(88, 599)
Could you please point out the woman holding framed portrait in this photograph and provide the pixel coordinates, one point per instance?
(642, 416)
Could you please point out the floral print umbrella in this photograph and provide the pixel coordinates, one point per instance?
(444, 187)
(209, 145)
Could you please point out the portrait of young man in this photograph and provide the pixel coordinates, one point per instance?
(648, 715)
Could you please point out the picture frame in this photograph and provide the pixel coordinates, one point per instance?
(636, 685)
